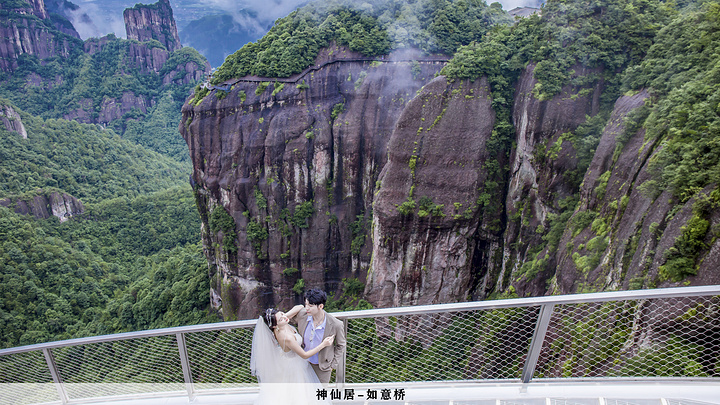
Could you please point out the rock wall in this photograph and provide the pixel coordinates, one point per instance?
(11, 120)
(632, 232)
(46, 204)
(384, 181)
(296, 168)
(537, 181)
(30, 31)
(154, 21)
(425, 252)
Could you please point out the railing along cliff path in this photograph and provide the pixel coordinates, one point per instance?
(667, 335)
(295, 79)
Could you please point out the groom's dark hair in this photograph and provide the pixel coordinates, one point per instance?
(315, 296)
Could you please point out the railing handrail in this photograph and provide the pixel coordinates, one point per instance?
(534, 301)
(130, 335)
(383, 312)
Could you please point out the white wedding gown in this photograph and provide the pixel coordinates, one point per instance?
(294, 382)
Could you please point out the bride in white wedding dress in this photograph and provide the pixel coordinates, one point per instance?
(280, 363)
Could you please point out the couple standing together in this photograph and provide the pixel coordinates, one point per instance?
(300, 361)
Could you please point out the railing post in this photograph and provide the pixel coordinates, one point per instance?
(340, 373)
(538, 338)
(187, 376)
(50, 360)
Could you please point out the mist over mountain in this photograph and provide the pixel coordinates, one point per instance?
(219, 35)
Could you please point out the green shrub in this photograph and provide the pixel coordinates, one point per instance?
(582, 220)
(260, 199)
(674, 358)
(220, 220)
(682, 255)
(299, 287)
(428, 208)
(256, 234)
(338, 109)
(261, 88)
(277, 88)
(302, 213)
(407, 207)
(200, 93)
(290, 271)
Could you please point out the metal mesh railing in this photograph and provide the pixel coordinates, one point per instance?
(670, 337)
(457, 345)
(649, 334)
(147, 360)
(25, 367)
(220, 356)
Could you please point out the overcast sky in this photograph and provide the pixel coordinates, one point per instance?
(106, 15)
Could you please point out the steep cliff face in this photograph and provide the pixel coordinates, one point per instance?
(144, 57)
(317, 179)
(460, 208)
(429, 233)
(154, 21)
(31, 31)
(633, 233)
(295, 165)
(159, 63)
(464, 248)
(11, 120)
(539, 168)
(46, 204)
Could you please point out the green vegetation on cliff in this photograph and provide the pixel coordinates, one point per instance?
(607, 36)
(435, 26)
(683, 71)
(620, 45)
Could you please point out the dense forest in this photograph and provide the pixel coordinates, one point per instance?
(131, 261)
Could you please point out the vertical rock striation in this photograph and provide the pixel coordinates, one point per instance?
(537, 178)
(30, 31)
(152, 21)
(295, 164)
(429, 233)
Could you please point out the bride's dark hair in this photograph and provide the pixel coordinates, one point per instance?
(269, 318)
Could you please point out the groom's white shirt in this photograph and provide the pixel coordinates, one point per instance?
(316, 340)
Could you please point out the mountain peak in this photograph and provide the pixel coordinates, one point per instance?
(152, 21)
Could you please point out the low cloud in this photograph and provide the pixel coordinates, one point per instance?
(90, 21)
(254, 15)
